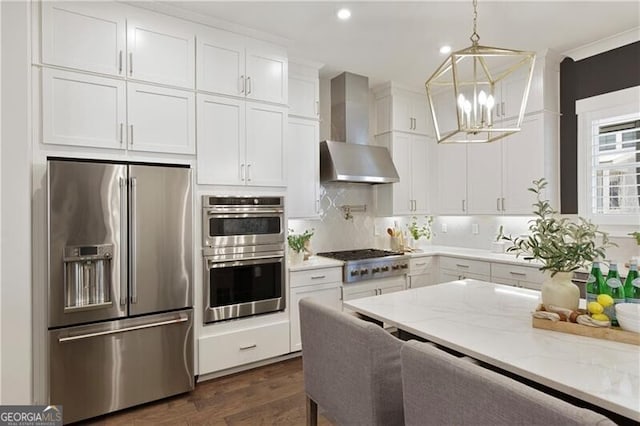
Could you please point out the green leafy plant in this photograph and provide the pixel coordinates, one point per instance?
(561, 245)
(636, 235)
(298, 241)
(417, 231)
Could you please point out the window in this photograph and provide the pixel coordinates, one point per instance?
(609, 157)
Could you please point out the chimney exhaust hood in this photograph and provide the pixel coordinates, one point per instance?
(348, 157)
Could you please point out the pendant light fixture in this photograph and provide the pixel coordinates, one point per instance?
(479, 94)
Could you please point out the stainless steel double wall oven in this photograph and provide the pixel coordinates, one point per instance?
(243, 250)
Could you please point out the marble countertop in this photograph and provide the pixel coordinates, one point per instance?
(315, 262)
(474, 254)
(492, 323)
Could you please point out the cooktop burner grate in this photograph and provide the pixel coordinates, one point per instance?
(347, 255)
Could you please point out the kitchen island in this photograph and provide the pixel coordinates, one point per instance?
(492, 323)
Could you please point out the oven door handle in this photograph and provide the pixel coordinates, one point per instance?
(244, 213)
(257, 260)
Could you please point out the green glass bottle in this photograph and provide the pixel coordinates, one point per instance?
(614, 288)
(594, 282)
(632, 284)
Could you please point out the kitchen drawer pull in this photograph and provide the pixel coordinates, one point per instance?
(421, 264)
(122, 330)
(318, 277)
(244, 348)
(503, 207)
(520, 274)
(460, 265)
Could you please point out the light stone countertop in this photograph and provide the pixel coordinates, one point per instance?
(474, 254)
(492, 323)
(316, 262)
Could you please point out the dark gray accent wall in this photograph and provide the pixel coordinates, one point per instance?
(606, 72)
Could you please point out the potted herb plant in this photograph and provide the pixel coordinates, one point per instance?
(562, 246)
(297, 245)
(418, 231)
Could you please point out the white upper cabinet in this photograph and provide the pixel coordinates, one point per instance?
(484, 178)
(452, 178)
(303, 174)
(160, 51)
(83, 110)
(161, 119)
(240, 143)
(410, 155)
(402, 110)
(234, 65)
(89, 36)
(304, 91)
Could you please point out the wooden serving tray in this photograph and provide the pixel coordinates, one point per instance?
(615, 334)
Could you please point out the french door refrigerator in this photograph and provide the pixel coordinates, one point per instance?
(120, 285)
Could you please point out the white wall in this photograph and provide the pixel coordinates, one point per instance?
(15, 216)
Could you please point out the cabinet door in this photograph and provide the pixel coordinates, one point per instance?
(265, 145)
(221, 137)
(402, 160)
(512, 89)
(422, 122)
(526, 147)
(303, 168)
(447, 120)
(88, 36)
(358, 293)
(326, 294)
(304, 94)
(402, 112)
(161, 52)
(391, 289)
(484, 177)
(452, 178)
(446, 276)
(421, 280)
(267, 73)
(161, 120)
(83, 110)
(221, 63)
(420, 174)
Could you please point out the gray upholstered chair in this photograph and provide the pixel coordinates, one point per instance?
(441, 389)
(351, 368)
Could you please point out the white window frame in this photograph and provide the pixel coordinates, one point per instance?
(621, 105)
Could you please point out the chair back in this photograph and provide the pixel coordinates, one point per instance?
(351, 367)
(442, 389)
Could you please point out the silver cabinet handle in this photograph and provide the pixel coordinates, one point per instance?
(249, 86)
(123, 241)
(130, 63)
(503, 207)
(318, 277)
(120, 62)
(421, 264)
(244, 348)
(502, 109)
(519, 274)
(242, 172)
(131, 129)
(464, 205)
(121, 132)
(498, 203)
(317, 107)
(249, 170)
(132, 238)
(461, 265)
(317, 205)
(123, 330)
(242, 84)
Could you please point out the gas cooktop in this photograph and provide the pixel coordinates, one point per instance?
(368, 264)
(347, 255)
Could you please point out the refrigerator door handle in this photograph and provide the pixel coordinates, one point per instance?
(132, 239)
(123, 241)
(123, 330)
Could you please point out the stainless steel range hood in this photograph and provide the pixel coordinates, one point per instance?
(348, 157)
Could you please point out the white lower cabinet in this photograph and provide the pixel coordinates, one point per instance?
(518, 276)
(373, 288)
(422, 271)
(232, 349)
(454, 268)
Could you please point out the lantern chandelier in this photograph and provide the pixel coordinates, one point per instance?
(479, 94)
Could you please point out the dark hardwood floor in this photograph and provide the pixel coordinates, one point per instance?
(270, 395)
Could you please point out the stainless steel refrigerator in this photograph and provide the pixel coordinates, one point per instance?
(120, 285)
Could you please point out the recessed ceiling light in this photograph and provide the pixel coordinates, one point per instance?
(344, 14)
(445, 49)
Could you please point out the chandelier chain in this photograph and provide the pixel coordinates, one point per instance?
(475, 37)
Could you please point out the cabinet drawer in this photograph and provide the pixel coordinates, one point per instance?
(242, 347)
(315, 276)
(516, 272)
(466, 265)
(420, 265)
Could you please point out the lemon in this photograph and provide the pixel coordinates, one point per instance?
(605, 300)
(595, 308)
(600, 317)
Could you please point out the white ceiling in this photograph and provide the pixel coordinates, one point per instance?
(399, 41)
